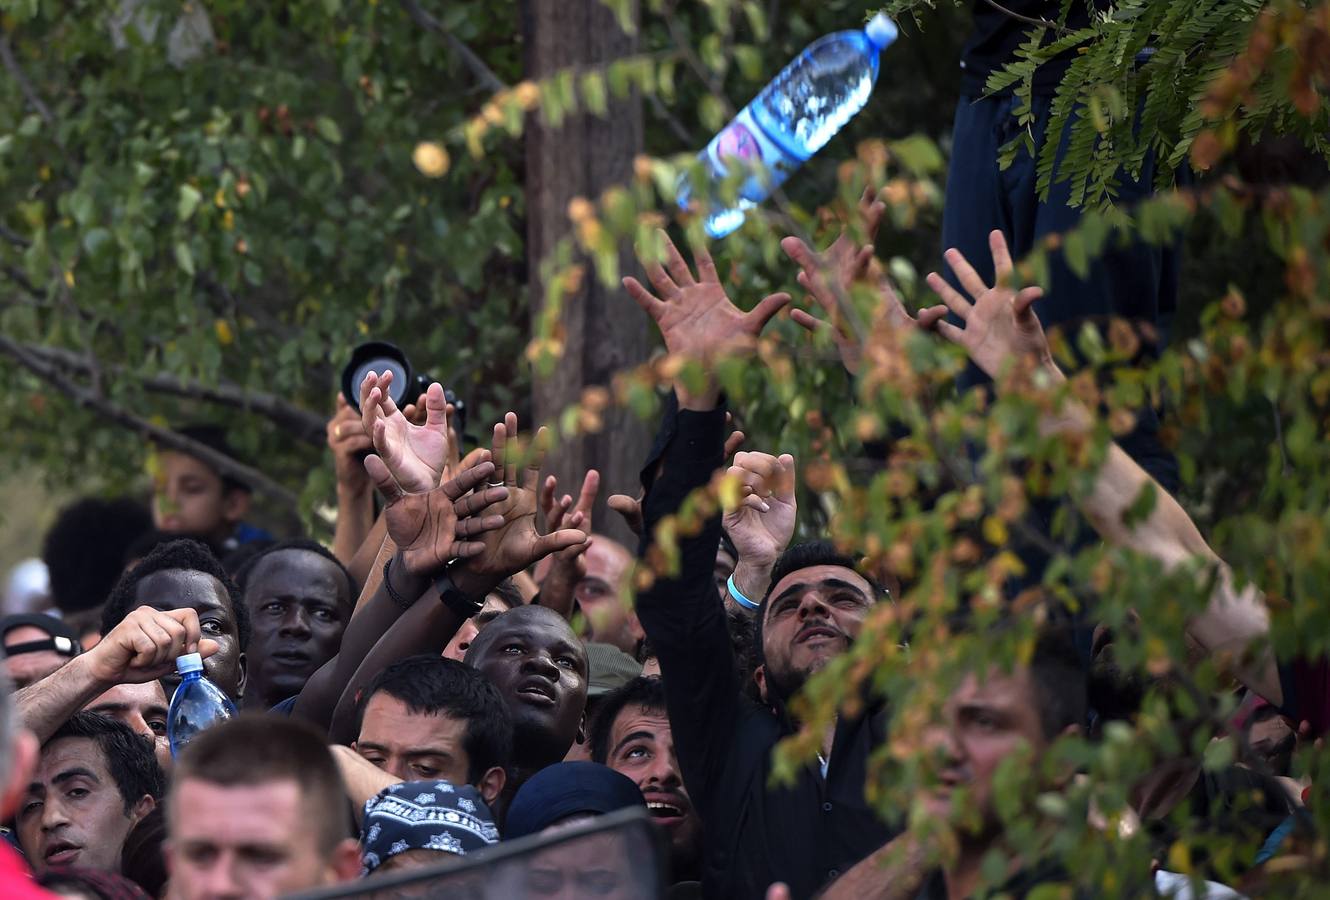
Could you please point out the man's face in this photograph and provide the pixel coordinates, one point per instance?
(984, 723)
(190, 498)
(413, 746)
(251, 841)
(199, 591)
(73, 814)
(598, 866)
(457, 647)
(642, 747)
(540, 668)
(27, 668)
(143, 708)
(812, 617)
(299, 603)
(600, 594)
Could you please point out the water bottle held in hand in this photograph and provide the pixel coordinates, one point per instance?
(197, 704)
(791, 119)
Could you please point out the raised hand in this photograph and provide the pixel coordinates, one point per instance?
(348, 441)
(145, 645)
(829, 277)
(1000, 324)
(567, 566)
(434, 528)
(762, 524)
(695, 315)
(516, 543)
(414, 455)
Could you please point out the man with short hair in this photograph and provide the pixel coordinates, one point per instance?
(35, 645)
(987, 721)
(601, 594)
(631, 734)
(432, 718)
(257, 810)
(808, 832)
(143, 708)
(540, 669)
(185, 574)
(95, 780)
(18, 757)
(299, 599)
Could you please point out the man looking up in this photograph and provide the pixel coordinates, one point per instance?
(540, 669)
(184, 574)
(298, 598)
(95, 780)
(258, 810)
(809, 832)
(431, 718)
(631, 734)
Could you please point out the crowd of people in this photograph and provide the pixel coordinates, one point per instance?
(471, 666)
(465, 669)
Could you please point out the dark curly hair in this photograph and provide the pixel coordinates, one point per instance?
(186, 554)
(85, 549)
(647, 692)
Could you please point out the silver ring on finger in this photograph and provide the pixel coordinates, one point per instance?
(494, 484)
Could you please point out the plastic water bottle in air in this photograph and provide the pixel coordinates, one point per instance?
(197, 704)
(791, 119)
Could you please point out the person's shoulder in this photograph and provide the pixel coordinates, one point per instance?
(286, 707)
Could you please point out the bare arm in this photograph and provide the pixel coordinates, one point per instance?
(1003, 336)
(362, 778)
(143, 647)
(894, 871)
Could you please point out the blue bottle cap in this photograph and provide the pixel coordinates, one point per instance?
(190, 662)
(881, 31)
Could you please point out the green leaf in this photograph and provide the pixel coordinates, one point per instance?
(187, 202)
(184, 257)
(918, 154)
(328, 130)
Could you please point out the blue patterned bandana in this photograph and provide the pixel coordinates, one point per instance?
(425, 815)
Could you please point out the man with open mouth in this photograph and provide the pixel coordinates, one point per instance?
(95, 780)
(631, 734)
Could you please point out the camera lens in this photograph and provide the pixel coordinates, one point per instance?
(377, 357)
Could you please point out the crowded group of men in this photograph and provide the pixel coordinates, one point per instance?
(470, 663)
(424, 697)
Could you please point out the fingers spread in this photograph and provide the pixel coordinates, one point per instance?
(436, 408)
(767, 308)
(965, 273)
(382, 478)
(950, 296)
(997, 245)
(675, 263)
(468, 480)
(706, 267)
(642, 296)
(474, 503)
(806, 321)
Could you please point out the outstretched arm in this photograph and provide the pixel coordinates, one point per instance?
(1002, 334)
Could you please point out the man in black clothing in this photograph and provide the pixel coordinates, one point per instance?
(805, 834)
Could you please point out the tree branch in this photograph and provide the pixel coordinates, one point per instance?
(224, 464)
(1028, 20)
(302, 423)
(16, 72)
(477, 66)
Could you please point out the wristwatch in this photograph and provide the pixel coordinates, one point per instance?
(451, 596)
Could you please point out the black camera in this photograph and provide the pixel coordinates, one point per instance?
(406, 387)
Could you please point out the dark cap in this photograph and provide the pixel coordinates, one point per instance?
(62, 638)
(568, 789)
(425, 815)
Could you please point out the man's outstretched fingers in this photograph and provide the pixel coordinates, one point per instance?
(675, 264)
(767, 308)
(474, 503)
(965, 273)
(1026, 298)
(382, 478)
(930, 316)
(558, 540)
(644, 298)
(706, 266)
(950, 296)
(997, 245)
(468, 480)
(950, 332)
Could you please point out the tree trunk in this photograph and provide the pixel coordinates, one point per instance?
(603, 330)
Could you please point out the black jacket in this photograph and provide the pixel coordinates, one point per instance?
(805, 834)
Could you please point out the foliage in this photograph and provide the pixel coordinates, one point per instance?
(244, 218)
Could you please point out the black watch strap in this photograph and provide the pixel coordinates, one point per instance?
(451, 596)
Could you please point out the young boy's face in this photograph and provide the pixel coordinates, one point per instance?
(190, 498)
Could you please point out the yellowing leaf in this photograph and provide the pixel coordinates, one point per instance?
(729, 492)
(995, 531)
(431, 159)
(224, 334)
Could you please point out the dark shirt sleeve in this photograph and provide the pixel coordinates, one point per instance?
(682, 614)
(1305, 684)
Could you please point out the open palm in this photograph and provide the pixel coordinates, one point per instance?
(415, 455)
(1000, 324)
(762, 525)
(695, 315)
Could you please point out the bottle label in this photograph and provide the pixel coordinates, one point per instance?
(743, 143)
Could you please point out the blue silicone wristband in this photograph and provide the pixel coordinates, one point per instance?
(739, 597)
